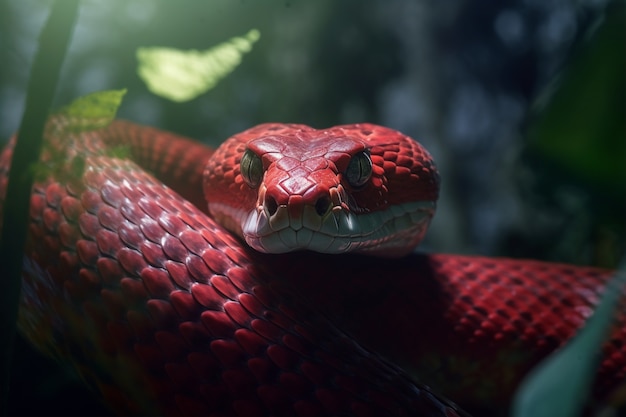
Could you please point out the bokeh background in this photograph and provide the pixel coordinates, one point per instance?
(521, 102)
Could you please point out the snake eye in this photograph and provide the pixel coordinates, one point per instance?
(359, 169)
(251, 168)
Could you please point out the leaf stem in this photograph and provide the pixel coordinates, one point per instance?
(53, 44)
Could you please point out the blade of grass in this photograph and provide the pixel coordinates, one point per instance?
(53, 43)
(560, 385)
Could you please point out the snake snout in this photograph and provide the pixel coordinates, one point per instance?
(305, 208)
(322, 205)
(298, 215)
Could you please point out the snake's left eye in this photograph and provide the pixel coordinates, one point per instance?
(359, 169)
(251, 168)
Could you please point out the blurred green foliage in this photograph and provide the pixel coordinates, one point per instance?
(576, 149)
(582, 127)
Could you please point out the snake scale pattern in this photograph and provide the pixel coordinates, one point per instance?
(131, 282)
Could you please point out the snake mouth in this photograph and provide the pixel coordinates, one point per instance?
(393, 232)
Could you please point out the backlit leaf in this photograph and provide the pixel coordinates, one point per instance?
(184, 75)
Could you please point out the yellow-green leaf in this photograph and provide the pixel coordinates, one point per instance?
(90, 112)
(184, 75)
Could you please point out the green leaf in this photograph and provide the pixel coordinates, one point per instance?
(560, 384)
(579, 123)
(90, 112)
(184, 75)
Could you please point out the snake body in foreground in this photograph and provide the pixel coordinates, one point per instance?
(165, 311)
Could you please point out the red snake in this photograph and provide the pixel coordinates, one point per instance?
(164, 311)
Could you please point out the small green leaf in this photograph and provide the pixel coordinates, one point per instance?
(90, 112)
(184, 75)
(559, 385)
(119, 151)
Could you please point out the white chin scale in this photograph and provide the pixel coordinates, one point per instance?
(393, 232)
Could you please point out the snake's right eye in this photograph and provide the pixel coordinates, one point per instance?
(359, 169)
(251, 168)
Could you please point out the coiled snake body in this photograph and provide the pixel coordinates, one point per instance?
(164, 311)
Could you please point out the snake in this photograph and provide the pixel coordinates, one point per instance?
(277, 275)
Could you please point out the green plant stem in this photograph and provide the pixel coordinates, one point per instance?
(53, 43)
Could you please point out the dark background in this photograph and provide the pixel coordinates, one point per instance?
(521, 102)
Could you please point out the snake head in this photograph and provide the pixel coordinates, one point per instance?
(351, 188)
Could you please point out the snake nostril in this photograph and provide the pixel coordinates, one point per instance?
(322, 205)
(271, 206)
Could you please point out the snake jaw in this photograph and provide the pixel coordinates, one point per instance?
(391, 233)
